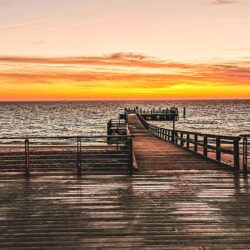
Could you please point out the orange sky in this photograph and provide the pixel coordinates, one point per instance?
(67, 50)
(120, 76)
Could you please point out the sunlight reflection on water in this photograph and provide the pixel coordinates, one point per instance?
(89, 118)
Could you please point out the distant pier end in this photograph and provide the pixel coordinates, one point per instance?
(168, 114)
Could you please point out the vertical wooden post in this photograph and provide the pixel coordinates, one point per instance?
(173, 136)
(27, 160)
(130, 148)
(168, 135)
(236, 154)
(109, 130)
(188, 138)
(79, 150)
(109, 124)
(173, 121)
(195, 143)
(245, 155)
(218, 149)
(182, 142)
(205, 146)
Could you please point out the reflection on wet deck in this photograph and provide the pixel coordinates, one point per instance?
(177, 200)
(173, 211)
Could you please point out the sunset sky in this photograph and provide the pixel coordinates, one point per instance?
(124, 49)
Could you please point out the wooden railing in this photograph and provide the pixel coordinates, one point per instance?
(66, 153)
(246, 152)
(149, 111)
(208, 145)
(116, 128)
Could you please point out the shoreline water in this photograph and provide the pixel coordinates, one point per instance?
(225, 117)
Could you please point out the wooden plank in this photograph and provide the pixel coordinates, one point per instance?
(176, 200)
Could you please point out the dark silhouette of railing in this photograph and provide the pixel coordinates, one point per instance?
(117, 127)
(66, 153)
(168, 114)
(246, 152)
(201, 143)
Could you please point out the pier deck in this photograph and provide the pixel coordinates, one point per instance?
(157, 156)
(177, 200)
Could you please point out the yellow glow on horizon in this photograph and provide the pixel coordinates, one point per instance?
(66, 91)
(98, 78)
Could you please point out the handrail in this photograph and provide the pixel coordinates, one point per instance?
(63, 137)
(26, 152)
(229, 137)
(168, 114)
(246, 153)
(148, 111)
(199, 141)
(116, 128)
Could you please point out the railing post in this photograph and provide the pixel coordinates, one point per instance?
(79, 150)
(109, 124)
(218, 149)
(236, 154)
(245, 155)
(109, 130)
(130, 148)
(173, 136)
(27, 160)
(182, 142)
(188, 138)
(195, 143)
(205, 146)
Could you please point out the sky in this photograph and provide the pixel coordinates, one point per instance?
(117, 49)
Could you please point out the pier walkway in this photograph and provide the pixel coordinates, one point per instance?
(176, 200)
(154, 155)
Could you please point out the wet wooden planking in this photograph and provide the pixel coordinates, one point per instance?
(177, 200)
(144, 211)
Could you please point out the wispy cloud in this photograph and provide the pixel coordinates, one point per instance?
(240, 49)
(224, 1)
(18, 25)
(116, 59)
(60, 27)
(135, 71)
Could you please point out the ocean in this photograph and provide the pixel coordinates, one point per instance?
(66, 118)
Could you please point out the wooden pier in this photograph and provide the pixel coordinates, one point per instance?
(155, 155)
(178, 199)
(155, 114)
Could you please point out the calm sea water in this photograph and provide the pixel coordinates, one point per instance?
(230, 117)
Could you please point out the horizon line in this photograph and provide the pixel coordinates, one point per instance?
(119, 100)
